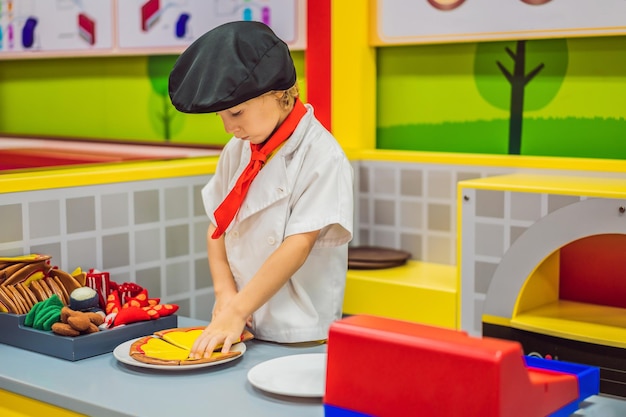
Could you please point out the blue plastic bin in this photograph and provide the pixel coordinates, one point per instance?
(588, 380)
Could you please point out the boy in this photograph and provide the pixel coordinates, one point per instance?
(280, 202)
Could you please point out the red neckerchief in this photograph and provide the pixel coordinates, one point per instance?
(226, 211)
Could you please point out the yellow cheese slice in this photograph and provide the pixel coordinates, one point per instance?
(158, 348)
(182, 339)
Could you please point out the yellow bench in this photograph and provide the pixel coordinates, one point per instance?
(420, 292)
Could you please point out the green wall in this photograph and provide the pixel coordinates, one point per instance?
(449, 97)
(456, 98)
(122, 98)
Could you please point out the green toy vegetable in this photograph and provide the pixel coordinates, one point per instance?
(44, 314)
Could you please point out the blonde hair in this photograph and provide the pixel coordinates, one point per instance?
(289, 97)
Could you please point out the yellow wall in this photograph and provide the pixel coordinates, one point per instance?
(353, 87)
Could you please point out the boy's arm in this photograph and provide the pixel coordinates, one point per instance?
(273, 274)
(223, 280)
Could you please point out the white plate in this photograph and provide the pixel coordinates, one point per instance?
(121, 353)
(296, 375)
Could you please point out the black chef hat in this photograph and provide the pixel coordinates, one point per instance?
(228, 65)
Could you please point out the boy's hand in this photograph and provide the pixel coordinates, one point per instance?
(225, 330)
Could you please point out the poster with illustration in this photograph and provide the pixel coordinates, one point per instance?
(436, 21)
(55, 25)
(548, 97)
(171, 23)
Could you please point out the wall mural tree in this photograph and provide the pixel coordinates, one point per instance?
(164, 118)
(544, 63)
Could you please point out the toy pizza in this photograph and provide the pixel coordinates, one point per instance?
(171, 347)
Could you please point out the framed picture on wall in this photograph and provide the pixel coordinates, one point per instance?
(439, 21)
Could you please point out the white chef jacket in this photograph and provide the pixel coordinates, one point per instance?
(307, 185)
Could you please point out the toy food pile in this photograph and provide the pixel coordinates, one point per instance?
(129, 303)
(72, 304)
(74, 323)
(29, 279)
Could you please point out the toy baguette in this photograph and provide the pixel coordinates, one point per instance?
(19, 268)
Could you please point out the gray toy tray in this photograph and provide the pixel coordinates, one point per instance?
(14, 333)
